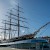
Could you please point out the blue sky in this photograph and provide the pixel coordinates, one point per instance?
(36, 11)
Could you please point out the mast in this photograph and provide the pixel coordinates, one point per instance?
(5, 32)
(19, 18)
(10, 23)
(18, 21)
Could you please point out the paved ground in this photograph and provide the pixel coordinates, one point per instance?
(5, 48)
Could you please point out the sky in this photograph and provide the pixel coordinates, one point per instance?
(37, 13)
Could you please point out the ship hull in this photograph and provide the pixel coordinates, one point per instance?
(24, 44)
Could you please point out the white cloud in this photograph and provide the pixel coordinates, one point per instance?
(23, 31)
(0, 37)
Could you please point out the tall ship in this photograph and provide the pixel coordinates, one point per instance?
(24, 41)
